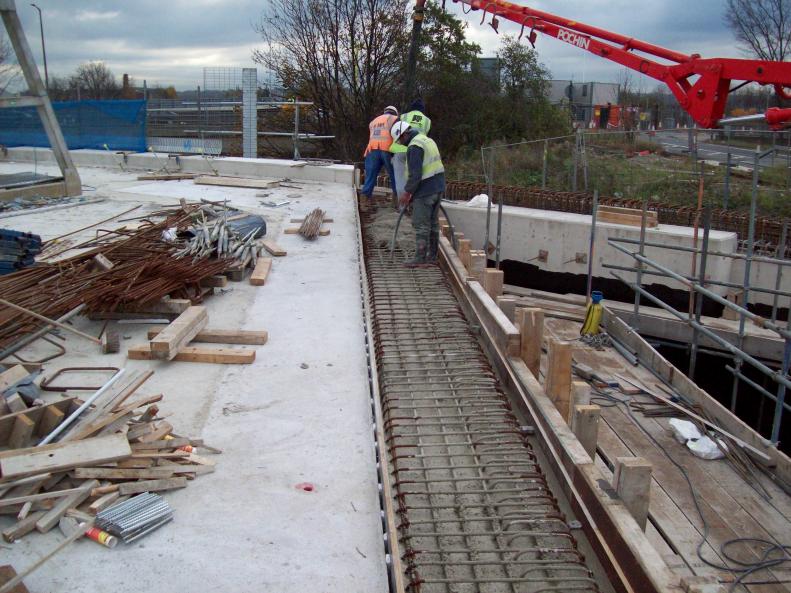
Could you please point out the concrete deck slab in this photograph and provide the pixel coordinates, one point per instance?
(300, 413)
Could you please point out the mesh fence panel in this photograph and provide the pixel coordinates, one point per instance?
(117, 125)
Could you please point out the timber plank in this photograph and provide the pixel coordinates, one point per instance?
(236, 182)
(51, 517)
(22, 528)
(151, 486)
(36, 414)
(7, 573)
(12, 376)
(63, 456)
(22, 432)
(198, 354)
(225, 336)
(724, 517)
(663, 511)
(273, 248)
(167, 344)
(295, 231)
(261, 271)
(109, 473)
(15, 403)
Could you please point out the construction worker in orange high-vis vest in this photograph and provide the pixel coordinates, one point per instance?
(377, 153)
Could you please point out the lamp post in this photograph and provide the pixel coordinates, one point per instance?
(43, 47)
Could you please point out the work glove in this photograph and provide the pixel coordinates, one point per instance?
(404, 200)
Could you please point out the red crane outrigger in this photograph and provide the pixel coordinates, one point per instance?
(704, 97)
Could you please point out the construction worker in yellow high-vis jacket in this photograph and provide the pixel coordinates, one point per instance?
(424, 187)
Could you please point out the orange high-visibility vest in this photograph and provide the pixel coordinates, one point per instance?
(379, 132)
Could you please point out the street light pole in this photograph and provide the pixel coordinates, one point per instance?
(43, 47)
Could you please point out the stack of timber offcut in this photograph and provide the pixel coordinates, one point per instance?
(68, 459)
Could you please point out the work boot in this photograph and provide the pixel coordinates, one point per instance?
(433, 248)
(364, 202)
(419, 261)
(395, 202)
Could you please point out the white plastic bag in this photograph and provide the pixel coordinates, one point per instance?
(705, 448)
(169, 235)
(479, 201)
(684, 430)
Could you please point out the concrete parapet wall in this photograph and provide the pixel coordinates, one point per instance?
(563, 235)
(229, 166)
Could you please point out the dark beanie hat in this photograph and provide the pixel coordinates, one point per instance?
(417, 105)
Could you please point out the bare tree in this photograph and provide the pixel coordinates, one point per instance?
(95, 81)
(344, 55)
(763, 27)
(9, 70)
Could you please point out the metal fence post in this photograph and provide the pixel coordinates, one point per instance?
(490, 177)
(747, 267)
(249, 113)
(639, 279)
(296, 130)
(781, 395)
(591, 247)
(693, 354)
(546, 159)
(576, 160)
(779, 254)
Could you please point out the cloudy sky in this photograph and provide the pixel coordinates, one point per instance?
(169, 42)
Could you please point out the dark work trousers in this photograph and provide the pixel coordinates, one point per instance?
(374, 161)
(425, 219)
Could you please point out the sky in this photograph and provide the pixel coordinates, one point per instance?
(169, 42)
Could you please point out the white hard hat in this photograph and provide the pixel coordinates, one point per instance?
(398, 130)
(392, 110)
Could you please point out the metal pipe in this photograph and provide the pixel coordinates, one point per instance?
(747, 268)
(545, 165)
(712, 295)
(755, 386)
(49, 321)
(693, 354)
(781, 251)
(490, 179)
(591, 245)
(76, 414)
(641, 251)
(757, 258)
(296, 131)
(39, 333)
(709, 334)
(781, 395)
(499, 229)
(727, 190)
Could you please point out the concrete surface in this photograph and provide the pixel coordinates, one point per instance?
(300, 413)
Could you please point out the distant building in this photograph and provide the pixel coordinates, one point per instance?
(490, 68)
(590, 102)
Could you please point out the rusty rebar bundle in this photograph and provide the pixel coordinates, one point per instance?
(145, 269)
(311, 226)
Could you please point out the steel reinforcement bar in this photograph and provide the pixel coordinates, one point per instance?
(472, 509)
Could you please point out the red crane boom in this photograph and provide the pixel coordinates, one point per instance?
(700, 85)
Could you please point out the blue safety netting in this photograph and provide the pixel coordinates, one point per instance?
(120, 125)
